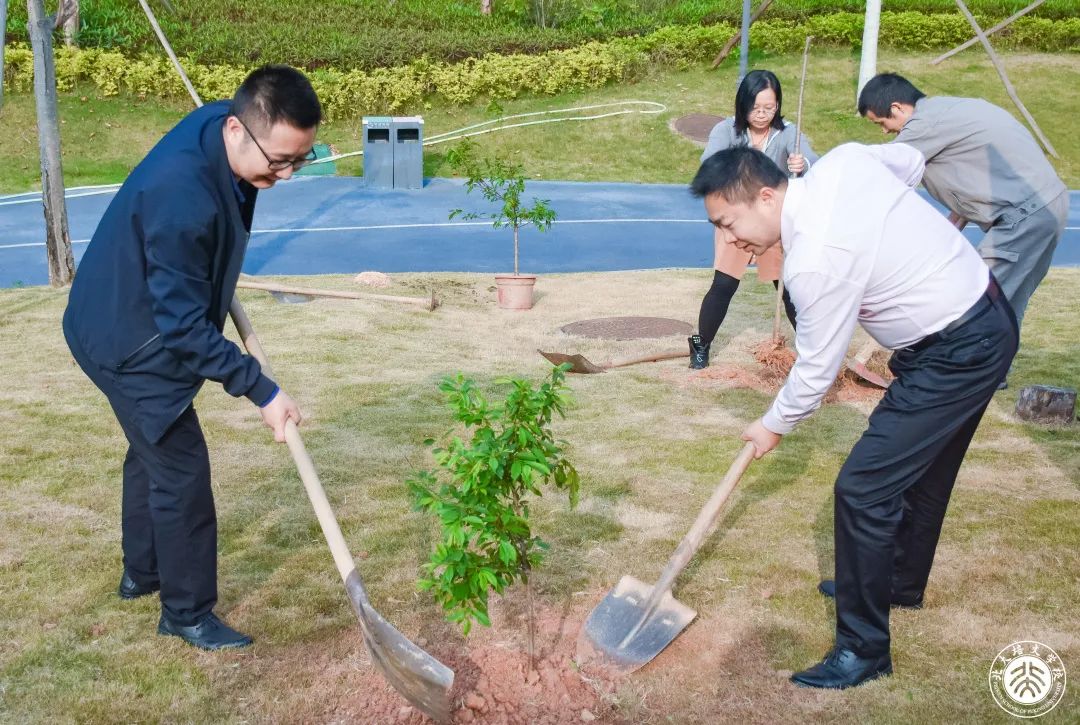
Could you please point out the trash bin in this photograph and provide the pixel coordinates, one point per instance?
(408, 134)
(378, 152)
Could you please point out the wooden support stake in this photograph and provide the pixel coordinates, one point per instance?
(171, 54)
(1007, 21)
(1000, 68)
(738, 36)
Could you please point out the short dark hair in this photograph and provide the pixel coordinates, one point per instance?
(277, 94)
(885, 89)
(737, 174)
(754, 83)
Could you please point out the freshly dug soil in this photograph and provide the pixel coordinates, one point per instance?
(493, 682)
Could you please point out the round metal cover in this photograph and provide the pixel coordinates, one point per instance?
(628, 328)
(695, 126)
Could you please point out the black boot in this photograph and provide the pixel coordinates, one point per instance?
(699, 353)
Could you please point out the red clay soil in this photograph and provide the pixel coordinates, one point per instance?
(493, 683)
(776, 357)
(849, 388)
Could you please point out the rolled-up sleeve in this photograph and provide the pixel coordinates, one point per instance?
(828, 312)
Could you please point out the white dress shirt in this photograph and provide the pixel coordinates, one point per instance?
(861, 246)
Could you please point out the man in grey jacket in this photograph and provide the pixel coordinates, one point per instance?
(985, 167)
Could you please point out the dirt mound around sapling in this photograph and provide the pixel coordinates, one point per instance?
(493, 682)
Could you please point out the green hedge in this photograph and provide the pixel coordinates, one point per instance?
(370, 34)
(356, 92)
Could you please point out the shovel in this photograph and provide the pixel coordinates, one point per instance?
(420, 678)
(857, 365)
(582, 364)
(635, 622)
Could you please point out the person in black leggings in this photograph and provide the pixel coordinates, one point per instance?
(757, 123)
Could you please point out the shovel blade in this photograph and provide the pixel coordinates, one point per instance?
(416, 675)
(867, 374)
(618, 615)
(579, 363)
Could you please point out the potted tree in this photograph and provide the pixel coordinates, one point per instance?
(502, 182)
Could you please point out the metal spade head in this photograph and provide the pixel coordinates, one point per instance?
(867, 374)
(580, 363)
(615, 630)
(416, 675)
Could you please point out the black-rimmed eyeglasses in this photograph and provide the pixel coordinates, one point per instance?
(279, 164)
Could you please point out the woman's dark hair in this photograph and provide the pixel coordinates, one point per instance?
(754, 83)
(277, 94)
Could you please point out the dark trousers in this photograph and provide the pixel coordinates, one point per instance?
(169, 526)
(893, 490)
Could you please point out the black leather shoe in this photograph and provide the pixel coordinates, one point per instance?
(842, 669)
(128, 589)
(699, 353)
(210, 633)
(828, 588)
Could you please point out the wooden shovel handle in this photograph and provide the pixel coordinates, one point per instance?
(655, 357)
(798, 147)
(704, 522)
(867, 351)
(429, 303)
(342, 558)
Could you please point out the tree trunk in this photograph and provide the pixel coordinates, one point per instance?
(738, 36)
(744, 40)
(868, 62)
(1046, 404)
(515, 250)
(3, 25)
(69, 20)
(485, 6)
(532, 625)
(57, 240)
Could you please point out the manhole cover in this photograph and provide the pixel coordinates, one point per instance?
(628, 328)
(695, 126)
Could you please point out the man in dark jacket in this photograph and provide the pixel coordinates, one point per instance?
(145, 318)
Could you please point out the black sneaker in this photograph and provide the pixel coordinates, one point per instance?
(699, 353)
(210, 633)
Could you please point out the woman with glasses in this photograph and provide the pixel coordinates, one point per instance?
(757, 123)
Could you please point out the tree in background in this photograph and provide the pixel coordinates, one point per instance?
(57, 239)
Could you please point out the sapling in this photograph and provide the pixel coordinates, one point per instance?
(482, 489)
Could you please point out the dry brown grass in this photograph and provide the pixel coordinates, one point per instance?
(650, 443)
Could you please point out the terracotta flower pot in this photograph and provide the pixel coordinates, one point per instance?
(515, 291)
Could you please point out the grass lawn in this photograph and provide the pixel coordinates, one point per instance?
(103, 138)
(650, 441)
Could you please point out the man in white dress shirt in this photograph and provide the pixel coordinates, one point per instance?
(860, 246)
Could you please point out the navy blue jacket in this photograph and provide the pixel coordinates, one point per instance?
(149, 301)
